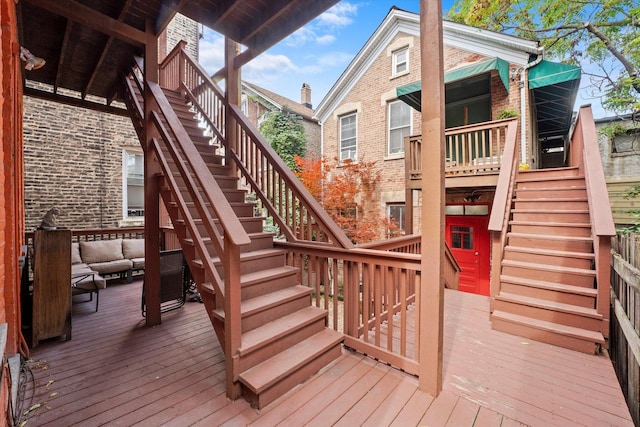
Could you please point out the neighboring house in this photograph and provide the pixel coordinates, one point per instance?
(257, 101)
(619, 140)
(367, 115)
(88, 163)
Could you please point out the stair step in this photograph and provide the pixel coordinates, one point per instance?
(549, 184)
(562, 258)
(550, 273)
(552, 228)
(553, 215)
(551, 311)
(551, 203)
(551, 192)
(273, 331)
(578, 339)
(551, 241)
(258, 241)
(266, 308)
(549, 174)
(266, 381)
(550, 291)
(546, 267)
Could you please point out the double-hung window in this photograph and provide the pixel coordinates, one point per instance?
(395, 212)
(134, 188)
(400, 61)
(348, 137)
(399, 119)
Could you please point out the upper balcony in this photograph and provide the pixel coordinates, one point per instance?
(473, 155)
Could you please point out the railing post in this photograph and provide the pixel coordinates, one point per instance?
(233, 94)
(232, 319)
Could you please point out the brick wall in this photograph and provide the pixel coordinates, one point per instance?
(371, 108)
(74, 156)
(183, 28)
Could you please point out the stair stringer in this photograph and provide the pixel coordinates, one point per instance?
(324, 343)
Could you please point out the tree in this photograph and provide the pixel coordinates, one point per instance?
(602, 33)
(284, 131)
(346, 195)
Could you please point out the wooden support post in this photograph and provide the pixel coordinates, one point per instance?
(233, 91)
(152, 173)
(431, 291)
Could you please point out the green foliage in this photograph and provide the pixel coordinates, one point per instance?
(603, 33)
(632, 193)
(617, 128)
(508, 113)
(284, 131)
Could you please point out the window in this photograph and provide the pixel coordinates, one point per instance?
(462, 237)
(348, 136)
(395, 212)
(134, 188)
(399, 126)
(400, 59)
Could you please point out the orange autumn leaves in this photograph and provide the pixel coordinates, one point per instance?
(347, 195)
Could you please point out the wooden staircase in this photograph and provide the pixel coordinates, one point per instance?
(548, 286)
(284, 338)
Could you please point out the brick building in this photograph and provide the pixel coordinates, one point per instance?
(257, 101)
(75, 157)
(368, 112)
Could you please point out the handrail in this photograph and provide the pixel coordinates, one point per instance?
(506, 180)
(296, 211)
(281, 174)
(599, 206)
(585, 153)
(411, 244)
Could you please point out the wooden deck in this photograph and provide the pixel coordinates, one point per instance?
(116, 371)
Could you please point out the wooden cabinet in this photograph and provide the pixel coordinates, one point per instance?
(51, 310)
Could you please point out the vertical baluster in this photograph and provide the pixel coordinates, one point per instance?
(377, 303)
(367, 284)
(402, 282)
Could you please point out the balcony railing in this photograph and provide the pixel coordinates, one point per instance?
(470, 150)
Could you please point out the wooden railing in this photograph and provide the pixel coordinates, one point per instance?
(297, 213)
(368, 293)
(211, 204)
(412, 244)
(584, 152)
(500, 213)
(624, 341)
(472, 149)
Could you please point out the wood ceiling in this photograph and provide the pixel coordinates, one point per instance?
(90, 44)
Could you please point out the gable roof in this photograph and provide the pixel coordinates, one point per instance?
(491, 44)
(278, 101)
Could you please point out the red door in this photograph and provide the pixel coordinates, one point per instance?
(468, 238)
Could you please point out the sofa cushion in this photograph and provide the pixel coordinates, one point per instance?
(86, 282)
(138, 263)
(75, 254)
(133, 248)
(101, 251)
(112, 266)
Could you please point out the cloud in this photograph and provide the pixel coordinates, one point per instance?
(267, 68)
(339, 15)
(321, 31)
(326, 39)
(211, 55)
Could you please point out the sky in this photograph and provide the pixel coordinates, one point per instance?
(320, 51)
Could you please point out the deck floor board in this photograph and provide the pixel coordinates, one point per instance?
(116, 371)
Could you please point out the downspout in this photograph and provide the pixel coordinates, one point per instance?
(523, 106)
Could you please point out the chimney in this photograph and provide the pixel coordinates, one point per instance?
(305, 95)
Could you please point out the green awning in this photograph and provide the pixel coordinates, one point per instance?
(411, 92)
(553, 87)
(548, 73)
